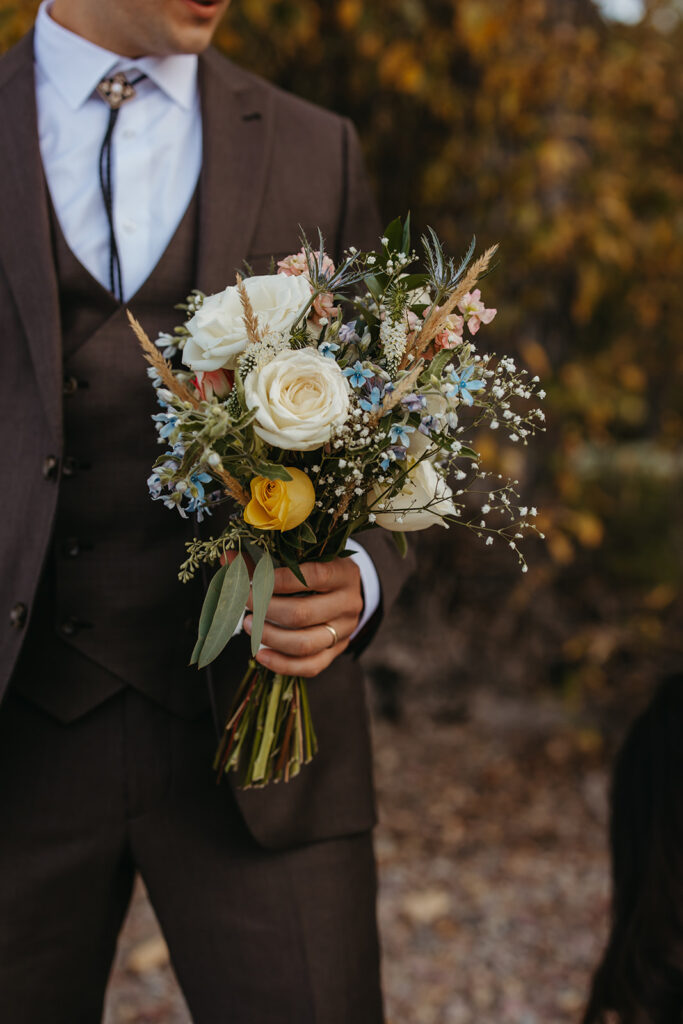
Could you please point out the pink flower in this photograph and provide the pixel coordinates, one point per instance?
(294, 265)
(216, 383)
(474, 312)
(297, 264)
(323, 306)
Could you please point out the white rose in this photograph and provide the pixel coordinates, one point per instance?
(301, 396)
(217, 332)
(407, 511)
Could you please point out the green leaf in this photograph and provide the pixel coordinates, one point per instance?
(394, 233)
(231, 603)
(292, 564)
(401, 542)
(405, 241)
(469, 452)
(262, 586)
(208, 609)
(437, 365)
(272, 471)
(373, 286)
(306, 533)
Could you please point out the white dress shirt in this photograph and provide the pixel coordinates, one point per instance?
(156, 161)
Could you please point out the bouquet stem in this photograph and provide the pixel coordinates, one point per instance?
(269, 734)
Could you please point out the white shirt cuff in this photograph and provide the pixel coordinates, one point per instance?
(372, 591)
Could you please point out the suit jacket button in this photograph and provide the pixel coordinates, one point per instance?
(18, 616)
(70, 385)
(51, 467)
(72, 547)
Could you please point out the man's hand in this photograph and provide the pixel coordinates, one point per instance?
(299, 643)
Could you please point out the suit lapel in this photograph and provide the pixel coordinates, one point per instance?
(25, 247)
(236, 120)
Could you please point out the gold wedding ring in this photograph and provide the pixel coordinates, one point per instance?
(333, 631)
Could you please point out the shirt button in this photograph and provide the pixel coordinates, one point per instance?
(18, 616)
(51, 467)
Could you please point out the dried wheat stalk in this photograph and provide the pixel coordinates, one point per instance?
(404, 387)
(437, 317)
(176, 387)
(249, 316)
(155, 359)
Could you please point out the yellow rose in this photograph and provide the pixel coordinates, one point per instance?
(280, 504)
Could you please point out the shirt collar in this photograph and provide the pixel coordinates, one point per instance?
(75, 66)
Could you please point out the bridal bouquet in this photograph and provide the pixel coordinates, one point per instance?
(316, 402)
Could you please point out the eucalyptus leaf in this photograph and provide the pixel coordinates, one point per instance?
(208, 609)
(262, 586)
(231, 603)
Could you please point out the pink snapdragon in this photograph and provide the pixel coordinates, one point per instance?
(474, 311)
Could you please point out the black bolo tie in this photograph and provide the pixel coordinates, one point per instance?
(115, 91)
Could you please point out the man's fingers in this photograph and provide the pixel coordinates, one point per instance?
(308, 667)
(301, 612)
(305, 643)
(319, 576)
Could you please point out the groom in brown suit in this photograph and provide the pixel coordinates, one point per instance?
(267, 897)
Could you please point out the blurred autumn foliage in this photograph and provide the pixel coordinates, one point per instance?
(540, 125)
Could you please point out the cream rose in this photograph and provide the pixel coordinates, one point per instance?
(407, 510)
(301, 396)
(217, 332)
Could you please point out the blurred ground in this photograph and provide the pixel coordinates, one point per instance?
(492, 865)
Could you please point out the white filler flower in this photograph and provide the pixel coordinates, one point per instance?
(217, 332)
(407, 511)
(301, 397)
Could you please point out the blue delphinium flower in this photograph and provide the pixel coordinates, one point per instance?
(394, 454)
(357, 374)
(373, 401)
(165, 422)
(414, 403)
(328, 348)
(463, 386)
(400, 434)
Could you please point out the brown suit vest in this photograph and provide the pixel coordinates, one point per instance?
(110, 610)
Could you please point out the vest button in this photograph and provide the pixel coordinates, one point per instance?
(51, 467)
(72, 547)
(70, 385)
(69, 466)
(69, 627)
(18, 616)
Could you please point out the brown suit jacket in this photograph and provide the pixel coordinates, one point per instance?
(271, 162)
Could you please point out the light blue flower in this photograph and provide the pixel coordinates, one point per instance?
(165, 422)
(395, 454)
(196, 488)
(373, 401)
(400, 434)
(464, 386)
(357, 374)
(328, 348)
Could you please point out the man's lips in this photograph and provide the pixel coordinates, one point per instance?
(204, 8)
